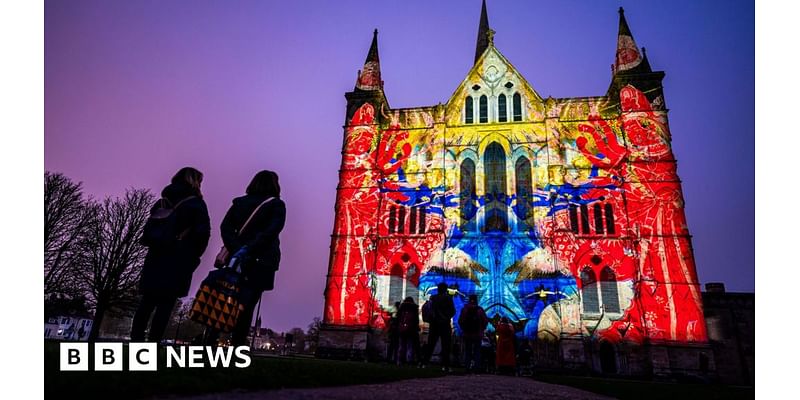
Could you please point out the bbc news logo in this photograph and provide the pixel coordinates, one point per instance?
(144, 356)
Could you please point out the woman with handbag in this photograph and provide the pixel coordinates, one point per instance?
(176, 235)
(250, 232)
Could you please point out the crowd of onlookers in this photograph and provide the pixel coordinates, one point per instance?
(481, 350)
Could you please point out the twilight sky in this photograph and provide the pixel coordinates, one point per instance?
(134, 90)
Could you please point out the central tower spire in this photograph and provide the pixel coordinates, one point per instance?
(483, 33)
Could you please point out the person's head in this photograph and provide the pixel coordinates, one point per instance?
(441, 288)
(265, 183)
(473, 299)
(397, 304)
(409, 299)
(189, 176)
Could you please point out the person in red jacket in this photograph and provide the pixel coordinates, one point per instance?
(472, 322)
(506, 355)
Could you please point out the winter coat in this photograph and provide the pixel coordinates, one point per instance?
(506, 354)
(261, 237)
(477, 332)
(443, 308)
(409, 312)
(168, 267)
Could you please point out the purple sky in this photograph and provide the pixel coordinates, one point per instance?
(134, 90)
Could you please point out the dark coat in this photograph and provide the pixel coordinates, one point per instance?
(261, 237)
(443, 308)
(168, 267)
(483, 321)
(409, 310)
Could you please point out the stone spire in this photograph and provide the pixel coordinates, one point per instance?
(483, 33)
(628, 55)
(369, 78)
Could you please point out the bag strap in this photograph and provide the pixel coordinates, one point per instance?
(165, 201)
(253, 214)
(181, 202)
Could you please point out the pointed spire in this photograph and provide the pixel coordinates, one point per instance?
(370, 77)
(628, 55)
(373, 48)
(623, 24)
(484, 33)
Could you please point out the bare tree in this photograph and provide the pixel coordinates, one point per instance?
(180, 327)
(312, 334)
(111, 256)
(66, 221)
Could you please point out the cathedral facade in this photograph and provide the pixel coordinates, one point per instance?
(563, 214)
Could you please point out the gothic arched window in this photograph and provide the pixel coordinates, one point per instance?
(466, 197)
(591, 303)
(608, 290)
(573, 218)
(468, 113)
(609, 218)
(522, 172)
(392, 218)
(502, 114)
(483, 110)
(517, 107)
(584, 220)
(494, 167)
(396, 283)
(598, 219)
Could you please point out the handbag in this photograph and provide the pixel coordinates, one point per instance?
(220, 300)
(224, 255)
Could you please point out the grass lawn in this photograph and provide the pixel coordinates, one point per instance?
(263, 373)
(300, 372)
(629, 389)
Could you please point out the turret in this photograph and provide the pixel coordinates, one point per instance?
(369, 85)
(631, 66)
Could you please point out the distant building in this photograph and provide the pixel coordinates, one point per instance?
(265, 339)
(564, 215)
(731, 321)
(68, 327)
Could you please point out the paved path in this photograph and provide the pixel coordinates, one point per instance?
(455, 387)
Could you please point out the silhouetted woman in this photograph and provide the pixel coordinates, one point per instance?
(258, 246)
(176, 235)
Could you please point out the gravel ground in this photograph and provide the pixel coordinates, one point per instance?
(456, 387)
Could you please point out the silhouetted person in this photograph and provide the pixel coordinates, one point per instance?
(440, 328)
(473, 323)
(258, 246)
(176, 235)
(394, 334)
(506, 355)
(408, 329)
(488, 344)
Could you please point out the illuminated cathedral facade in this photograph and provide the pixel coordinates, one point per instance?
(563, 214)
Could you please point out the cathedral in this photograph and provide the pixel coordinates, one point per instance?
(564, 215)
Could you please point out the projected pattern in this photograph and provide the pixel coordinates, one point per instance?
(564, 215)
